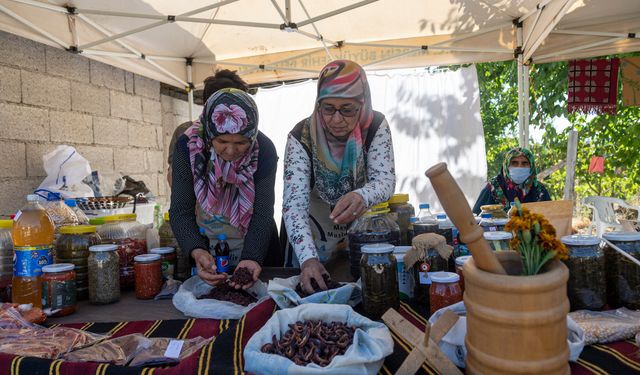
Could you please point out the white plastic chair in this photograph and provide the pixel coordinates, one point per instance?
(604, 214)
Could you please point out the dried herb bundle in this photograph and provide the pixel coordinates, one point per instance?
(312, 341)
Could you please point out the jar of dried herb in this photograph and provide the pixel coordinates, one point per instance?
(378, 268)
(623, 278)
(104, 274)
(586, 287)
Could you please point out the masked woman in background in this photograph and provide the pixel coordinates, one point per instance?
(517, 179)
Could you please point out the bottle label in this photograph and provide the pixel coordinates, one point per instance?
(222, 263)
(423, 273)
(58, 294)
(29, 260)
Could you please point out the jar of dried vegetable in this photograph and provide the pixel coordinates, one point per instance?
(586, 287)
(59, 288)
(444, 291)
(378, 268)
(104, 274)
(623, 276)
(73, 247)
(148, 271)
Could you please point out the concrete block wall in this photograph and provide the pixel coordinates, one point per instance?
(117, 120)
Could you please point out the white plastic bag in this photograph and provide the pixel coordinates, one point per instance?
(283, 291)
(372, 342)
(452, 344)
(186, 301)
(66, 169)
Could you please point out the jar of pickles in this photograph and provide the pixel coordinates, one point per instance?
(104, 274)
(460, 261)
(6, 260)
(73, 247)
(375, 226)
(498, 241)
(445, 290)
(167, 239)
(59, 288)
(623, 277)
(378, 268)
(400, 207)
(148, 271)
(587, 285)
(167, 259)
(131, 238)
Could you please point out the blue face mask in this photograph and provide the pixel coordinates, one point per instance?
(519, 175)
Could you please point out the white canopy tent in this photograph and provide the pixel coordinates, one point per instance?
(181, 43)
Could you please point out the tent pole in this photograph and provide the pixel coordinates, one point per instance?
(527, 109)
(592, 33)
(320, 38)
(530, 49)
(190, 87)
(35, 28)
(287, 9)
(166, 72)
(38, 4)
(520, 69)
(578, 48)
(335, 12)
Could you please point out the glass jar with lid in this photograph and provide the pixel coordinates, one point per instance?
(148, 271)
(402, 210)
(497, 211)
(6, 260)
(623, 277)
(445, 290)
(423, 268)
(460, 261)
(498, 241)
(59, 289)
(406, 282)
(167, 259)
(168, 239)
(131, 237)
(487, 223)
(378, 267)
(375, 226)
(73, 247)
(104, 274)
(587, 285)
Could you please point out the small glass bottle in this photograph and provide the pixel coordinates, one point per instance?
(445, 290)
(426, 222)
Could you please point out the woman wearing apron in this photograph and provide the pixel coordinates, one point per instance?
(223, 178)
(338, 163)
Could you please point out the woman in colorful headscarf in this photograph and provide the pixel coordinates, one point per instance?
(517, 179)
(223, 183)
(338, 163)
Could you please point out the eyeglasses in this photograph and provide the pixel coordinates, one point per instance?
(329, 110)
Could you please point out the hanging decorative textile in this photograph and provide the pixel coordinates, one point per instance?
(593, 85)
(596, 165)
(630, 81)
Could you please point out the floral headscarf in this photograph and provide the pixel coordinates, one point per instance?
(225, 187)
(504, 189)
(339, 165)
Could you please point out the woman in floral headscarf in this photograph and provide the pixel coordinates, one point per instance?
(223, 178)
(517, 179)
(338, 163)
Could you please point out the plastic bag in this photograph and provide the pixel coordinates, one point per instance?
(169, 289)
(452, 344)
(186, 301)
(607, 326)
(44, 342)
(61, 214)
(158, 353)
(283, 292)
(118, 351)
(66, 170)
(372, 342)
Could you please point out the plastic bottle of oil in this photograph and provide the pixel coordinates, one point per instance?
(33, 233)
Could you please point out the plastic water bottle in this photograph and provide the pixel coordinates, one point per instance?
(426, 222)
(222, 254)
(33, 233)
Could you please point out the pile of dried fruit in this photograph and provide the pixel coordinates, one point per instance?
(314, 284)
(241, 276)
(224, 292)
(312, 341)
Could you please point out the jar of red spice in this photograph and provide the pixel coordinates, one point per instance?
(148, 275)
(168, 259)
(459, 264)
(59, 288)
(445, 290)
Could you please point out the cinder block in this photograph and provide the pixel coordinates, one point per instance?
(89, 98)
(128, 82)
(146, 87)
(35, 152)
(14, 193)
(151, 111)
(21, 52)
(142, 135)
(166, 102)
(126, 106)
(129, 160)
(156, 161)
(71, 127)
(41, 89)
(23, 123)
(100, 158)
(110, 131)
(106, 75)
(159, 136)
(67, 64)
(10, 84)
(13, 156)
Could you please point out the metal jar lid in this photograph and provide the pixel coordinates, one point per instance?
(377, 248)
(444, 277)
(146, 258)
(622, 236)
(58, 267)
(162, 250)
(498, 236)
(580, 240)
(102, 248)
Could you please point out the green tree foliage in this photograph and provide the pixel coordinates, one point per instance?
(615, 137)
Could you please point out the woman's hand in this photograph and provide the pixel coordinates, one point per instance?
(252, 266)
(312, 269)
(206, 267)
(349, 207)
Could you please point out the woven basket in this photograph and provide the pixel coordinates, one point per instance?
(103, 203)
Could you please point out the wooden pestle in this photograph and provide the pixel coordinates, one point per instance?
(455, 205)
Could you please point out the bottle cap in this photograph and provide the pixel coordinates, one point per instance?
(444, 277)
(377, 248)
(102, 248)
(162, 250)
(441, 216)
(413, 219)
(423, 206)
(486, 216)
(78, 229)
(33, 198)
(399, 198)
(58, 267)
(6, 223)
(146, 258)
(461, 260)
(166, 216)
(222, 237)
(202, 231)
(70, 202)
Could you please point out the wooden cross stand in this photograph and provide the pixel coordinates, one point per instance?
(425, 345)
